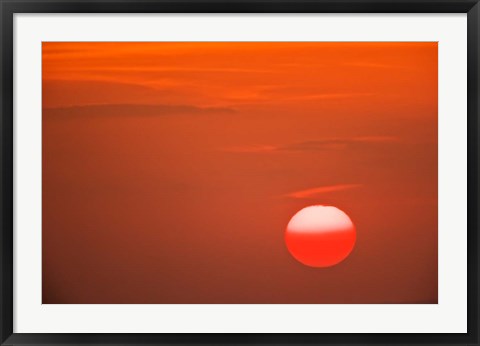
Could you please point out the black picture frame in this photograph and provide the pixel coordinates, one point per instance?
(10, 7)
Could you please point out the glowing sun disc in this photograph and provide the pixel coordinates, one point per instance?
(320, 236)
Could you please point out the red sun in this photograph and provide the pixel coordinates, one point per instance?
(320, 236)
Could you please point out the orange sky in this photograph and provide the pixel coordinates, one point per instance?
(239, 74)
(170, 170)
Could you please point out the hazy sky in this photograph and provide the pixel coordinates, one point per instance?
(170, 170)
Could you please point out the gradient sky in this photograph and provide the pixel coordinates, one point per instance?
(170, 170)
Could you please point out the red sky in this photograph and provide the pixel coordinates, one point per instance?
(170, 170)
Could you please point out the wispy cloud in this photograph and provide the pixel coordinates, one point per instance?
(251, 149)
(260, 97)
(373, 65)
(327, 96)
(318, 191)
(313, 145)
(171, 69)
(337, 143)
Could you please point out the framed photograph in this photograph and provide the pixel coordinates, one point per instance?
(246, 172)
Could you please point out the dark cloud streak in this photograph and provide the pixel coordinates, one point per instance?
(315, 145)
(134, 109)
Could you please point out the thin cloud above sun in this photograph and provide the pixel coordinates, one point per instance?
(321, 190)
